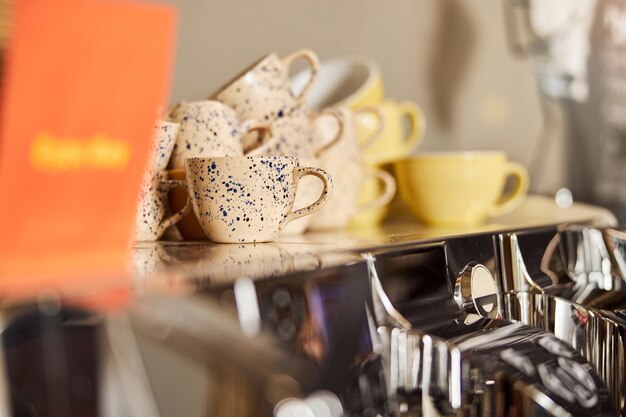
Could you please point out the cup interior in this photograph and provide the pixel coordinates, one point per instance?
(188, 227)
(337, 80)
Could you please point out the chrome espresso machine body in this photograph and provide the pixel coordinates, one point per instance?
(526, 322)
(515, 323)
(451, 349)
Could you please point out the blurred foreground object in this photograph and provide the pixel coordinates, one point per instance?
(75, 135)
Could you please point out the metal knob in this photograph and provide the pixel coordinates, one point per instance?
(476, 291)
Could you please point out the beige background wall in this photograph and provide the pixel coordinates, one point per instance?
(450, 56)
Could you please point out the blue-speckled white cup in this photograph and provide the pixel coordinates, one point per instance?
(210, 128)
(163, 140)
(249, 199)
(296, 135)
(263, 91)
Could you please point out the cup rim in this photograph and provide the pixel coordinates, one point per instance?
(241, 158)
(467, 155)
(205, 102)
(161, 122)
(351, 61)
(240, 75)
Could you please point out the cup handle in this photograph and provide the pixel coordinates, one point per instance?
(385, 198)
(176, 217)
(417, 123)
(264, 136)
(327, 144)
(376, 134)
(314, 63)
(513, 199)
(321, 201)
(172, 111)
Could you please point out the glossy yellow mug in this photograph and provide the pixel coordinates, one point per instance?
(452, 188)
(404, 126)
(370, 189)
(402, 130)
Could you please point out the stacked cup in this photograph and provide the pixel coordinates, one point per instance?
(263, 92)
(207, 129)
(151, 214)
(344, 162)
(236, 158)
(388, 131)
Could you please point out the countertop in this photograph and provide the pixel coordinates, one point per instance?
(183, 266)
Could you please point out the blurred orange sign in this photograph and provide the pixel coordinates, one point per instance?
(83, 82)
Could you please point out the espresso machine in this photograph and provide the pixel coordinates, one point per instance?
(518, 322)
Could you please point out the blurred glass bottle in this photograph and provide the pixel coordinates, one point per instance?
(577, 47)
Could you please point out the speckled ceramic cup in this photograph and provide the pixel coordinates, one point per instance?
(344, 162)
(249, 199)
(150, 221)
(209, 128)
(295, 135)
(263, 91)
(163, 140)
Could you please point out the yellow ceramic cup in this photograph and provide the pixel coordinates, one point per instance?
(404, 126)
(357, 83)
(452, 188)
(370, 189)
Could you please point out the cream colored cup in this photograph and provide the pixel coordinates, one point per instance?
(150, 220)
(309, 190)
(452, 188)
(343, 162)
(263, 91)
(209, 128)
(295, 135)
(403, 131)
(343, 81)
(163, 140)
(249, 199)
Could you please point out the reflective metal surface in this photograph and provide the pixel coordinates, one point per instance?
(517, 322)
(460, 361)
(575, 289)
